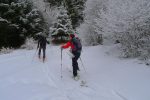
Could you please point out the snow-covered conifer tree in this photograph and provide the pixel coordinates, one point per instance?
(62, 27)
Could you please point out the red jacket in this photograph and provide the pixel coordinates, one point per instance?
(67, 45)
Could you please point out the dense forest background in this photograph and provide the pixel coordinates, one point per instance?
(122, 22)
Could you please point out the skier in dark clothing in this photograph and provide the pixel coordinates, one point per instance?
(76, 51)
(42, 46)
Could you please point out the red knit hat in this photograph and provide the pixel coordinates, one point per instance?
(72, 35)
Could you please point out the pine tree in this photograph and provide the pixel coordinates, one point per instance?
(62, 27)
(18, 20)
(54, 2)
(74, 9)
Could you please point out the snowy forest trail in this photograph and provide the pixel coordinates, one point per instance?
(25, 77)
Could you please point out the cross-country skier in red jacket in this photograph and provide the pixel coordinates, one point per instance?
(75, 52)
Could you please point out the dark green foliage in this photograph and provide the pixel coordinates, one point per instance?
(9, 35)
(17, 22)
(8, 1)
(54, 2)
(33, 24)
(3, 8)
(75, 10)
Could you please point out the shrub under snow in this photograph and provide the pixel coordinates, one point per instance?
(127, 21)
(5, 50)
(29, 44)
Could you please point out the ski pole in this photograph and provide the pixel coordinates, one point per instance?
(61, 63)
(82, 64)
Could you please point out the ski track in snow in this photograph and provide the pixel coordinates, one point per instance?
(120, 95)
(22, 79)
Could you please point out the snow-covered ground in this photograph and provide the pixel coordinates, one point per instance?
(24, 77)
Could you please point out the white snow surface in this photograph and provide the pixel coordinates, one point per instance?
(24, 77)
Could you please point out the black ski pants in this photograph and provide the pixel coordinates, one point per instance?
(44, 49)
(75, 63)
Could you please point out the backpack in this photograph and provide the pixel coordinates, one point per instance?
(77, 44)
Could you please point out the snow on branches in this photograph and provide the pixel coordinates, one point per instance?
(127, 21)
